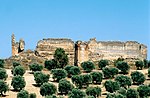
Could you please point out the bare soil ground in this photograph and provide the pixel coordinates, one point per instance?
(29, 78)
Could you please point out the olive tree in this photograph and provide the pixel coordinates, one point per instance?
(97, 77)
(76, 93)
(123, 80)
(122, 91)
(111, 86)
(144, 91)
(123, 66)
(3, 87)
(93, 91)
(138, 77)
(115, 95)
(102, 63)
(16, 64)
(18, 70)
(110, 72)
(50, 64)
(148, 63)
(40, 78)
(48, 89)
(18, 83)
(145, 61)
(3, 74)
(35, 67)
(58, 74)
(32, 95)
(81, 80)
(139, 64)
(60, 57)
(132, 93)
(2, 62)
(72, 70)
(87, 66)
(64, 86)
(23, 94)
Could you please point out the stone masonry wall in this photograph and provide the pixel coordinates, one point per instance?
(46, 48)
(79, 51)
(95, 50)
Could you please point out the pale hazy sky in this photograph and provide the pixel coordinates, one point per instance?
(106, 20)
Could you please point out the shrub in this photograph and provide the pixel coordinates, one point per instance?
(148, 72)
(93, 91)
(96, 77)
(18, 83)
(102, 63)
(58, 74)
(18, 70)
(111, 86)
(23, 94)
(144, 91)
(77, 93)
(139, 64)
(132, 93)
(40, 78)
(137, 77)
(123, 66)
(35, 67)
(16, 64)
(3, 74)
(124, 81)
(50, 64)
(48, 89)
(81, 80)
(2, 62)
(87, 66)
(60, 57)
(32, 95)
(109, 72)
(72, 70)
(64, 86)
(3, 87)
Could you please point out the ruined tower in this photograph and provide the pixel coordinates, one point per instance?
(17, 47)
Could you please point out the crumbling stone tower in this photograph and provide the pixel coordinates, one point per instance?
(17, 47)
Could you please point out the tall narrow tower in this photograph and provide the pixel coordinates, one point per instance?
(13, 45)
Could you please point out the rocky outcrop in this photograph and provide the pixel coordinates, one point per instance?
(24, 58)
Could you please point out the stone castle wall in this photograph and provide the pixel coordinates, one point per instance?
(95, 50)
(46, 48)
(83, 51)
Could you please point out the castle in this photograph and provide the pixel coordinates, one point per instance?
(82, 51)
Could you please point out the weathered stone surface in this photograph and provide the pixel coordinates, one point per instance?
(24, 58)
(77, 52)
(17, 47)
(95, 50)
(46, 48)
